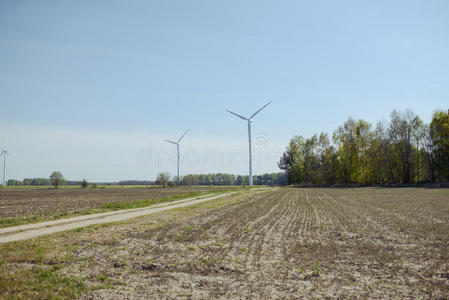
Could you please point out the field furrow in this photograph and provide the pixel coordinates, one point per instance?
(361, 243)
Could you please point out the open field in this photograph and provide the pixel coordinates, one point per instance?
(29, 231)
(20, 203)
(285, 243)
(99, 186)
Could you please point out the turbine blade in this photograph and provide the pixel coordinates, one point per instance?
(183, 136)
(260, 110)
(171, 142)
(237, 115)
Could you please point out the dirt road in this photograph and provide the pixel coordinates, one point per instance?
(286, 243)
(21, 203)
(24, 232)
(290, 243)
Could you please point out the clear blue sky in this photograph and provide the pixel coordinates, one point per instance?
(85, 86)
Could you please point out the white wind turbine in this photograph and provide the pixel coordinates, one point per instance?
(4, 153)
(249, 120)
(177, 147)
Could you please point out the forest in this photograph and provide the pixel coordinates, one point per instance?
(403, 151)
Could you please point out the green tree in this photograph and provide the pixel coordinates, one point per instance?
(439, 133)
(404, 130)
(352, 140)
(286, 164)
(402, 152)
(163, 179)
(84, 184)
(57, 179)
(13, 182)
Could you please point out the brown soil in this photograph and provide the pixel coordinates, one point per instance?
(289, 243)
(21, 203)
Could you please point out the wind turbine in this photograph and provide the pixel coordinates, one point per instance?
(250, 120)
(177, 147)
(4, 153)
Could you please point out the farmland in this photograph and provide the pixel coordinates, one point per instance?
(32, 202)
(282, 243)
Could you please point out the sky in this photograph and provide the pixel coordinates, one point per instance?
(91, 88)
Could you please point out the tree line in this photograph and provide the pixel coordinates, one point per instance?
(56, 179)
(403, 151)
(231, 179)
(29, 182)
(163, 179)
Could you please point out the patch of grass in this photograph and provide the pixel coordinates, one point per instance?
(148, 202)
(316, 270)
(111, 206)
(94, 227)
(40, 282)
(184, 236)
(38, 268)
(45, 217)
(211, 260)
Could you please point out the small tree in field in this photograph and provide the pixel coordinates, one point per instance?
(84, 184)
(57, 179)
(163, 179)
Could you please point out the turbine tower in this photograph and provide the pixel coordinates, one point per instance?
(4, 153)
(249, 120)
(177, 147)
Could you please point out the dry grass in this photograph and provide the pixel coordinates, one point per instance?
(288, 243)
(31, 206)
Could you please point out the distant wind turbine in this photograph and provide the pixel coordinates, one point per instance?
(177, 147)
(249, 120)
(4, 153)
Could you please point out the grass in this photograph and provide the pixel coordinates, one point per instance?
(45, 217)
(111, 206)
(43, 268)
(148, 202)
(299, 243)
(30, 271)
(40, 283)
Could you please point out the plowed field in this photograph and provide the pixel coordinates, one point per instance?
(20, 203)
(287, 243)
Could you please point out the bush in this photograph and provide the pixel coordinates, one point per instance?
(171, 184)
(84, 184)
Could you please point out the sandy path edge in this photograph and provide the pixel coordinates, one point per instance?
(44, 228)
(87, 217)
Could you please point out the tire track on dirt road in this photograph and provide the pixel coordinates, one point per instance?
(35, 230)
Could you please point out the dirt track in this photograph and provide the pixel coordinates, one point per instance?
(363, 243)
(368, 243)
(21, 203)
(24, 232)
